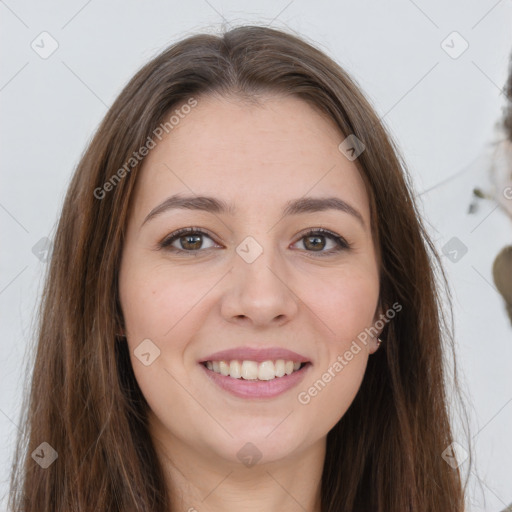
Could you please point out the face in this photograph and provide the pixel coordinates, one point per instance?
(255, 278)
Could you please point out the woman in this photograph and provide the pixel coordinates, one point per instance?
(241, 309)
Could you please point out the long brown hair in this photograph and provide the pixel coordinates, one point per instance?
(386, 452)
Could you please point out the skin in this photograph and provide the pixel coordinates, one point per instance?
(258, 156)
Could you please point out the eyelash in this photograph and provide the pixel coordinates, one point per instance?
(341, 243)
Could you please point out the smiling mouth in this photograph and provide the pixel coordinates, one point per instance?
(252, 370)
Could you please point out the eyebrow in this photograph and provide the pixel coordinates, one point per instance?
(218, 206)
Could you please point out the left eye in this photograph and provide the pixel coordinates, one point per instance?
(191, 240)
(316, 241)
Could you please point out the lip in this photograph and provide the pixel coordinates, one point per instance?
(257, 389)
(256, 354)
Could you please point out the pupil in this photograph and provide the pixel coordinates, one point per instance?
(195, 244)
(315, 244)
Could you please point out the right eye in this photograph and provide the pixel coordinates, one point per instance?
(189, 239)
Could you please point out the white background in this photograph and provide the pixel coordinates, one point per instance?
(441, 110)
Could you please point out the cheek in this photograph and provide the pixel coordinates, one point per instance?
(346, 303)
(153, 302)
(332, 390)
(166, 306)
(162, 308)
(347, 308)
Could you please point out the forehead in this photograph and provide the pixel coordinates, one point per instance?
(251, 155)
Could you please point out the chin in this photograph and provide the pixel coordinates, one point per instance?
(264, 445)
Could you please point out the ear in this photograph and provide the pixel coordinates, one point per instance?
(119, 325)
(120, 331)
(379, 316)
(377, 324)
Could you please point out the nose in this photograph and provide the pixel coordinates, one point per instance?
(259, 293)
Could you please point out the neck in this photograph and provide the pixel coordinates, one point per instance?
(199, 483)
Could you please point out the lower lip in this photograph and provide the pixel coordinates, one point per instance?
(257, 388)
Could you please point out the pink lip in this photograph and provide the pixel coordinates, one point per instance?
(259, 355)
(257, 388)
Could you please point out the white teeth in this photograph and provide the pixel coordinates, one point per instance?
(224, 368)
(266, 371)
(235, 369)
(279, 366)
(251, 370)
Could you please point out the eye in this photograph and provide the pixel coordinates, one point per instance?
(188, 239)
(314, 241)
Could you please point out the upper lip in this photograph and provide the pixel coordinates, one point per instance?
(256, 354)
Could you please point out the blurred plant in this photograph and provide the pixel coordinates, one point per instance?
(501, 173)
(502, 275)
